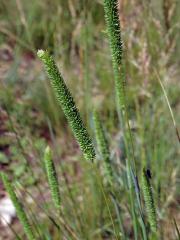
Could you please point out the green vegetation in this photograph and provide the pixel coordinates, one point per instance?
(52, 178)
(19, 208)
(127, 188)
(103, 146)
(67, 103)
(114, 32)
(149, 201)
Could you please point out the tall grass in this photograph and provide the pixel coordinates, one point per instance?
(131, 206)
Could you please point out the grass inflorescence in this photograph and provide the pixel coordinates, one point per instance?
(149, 200)
(114, 34)
(52, 177)
(67, 103)
(101, 200)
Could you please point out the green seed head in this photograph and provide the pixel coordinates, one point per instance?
(40, 53)
(149, 201)
(114, 30)
(52, 177)
(114, 34)
(67, 103)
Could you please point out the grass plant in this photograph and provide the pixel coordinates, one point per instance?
(143, 40)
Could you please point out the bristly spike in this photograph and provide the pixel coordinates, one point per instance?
(67, 103)
(114, 30)
(18, 206)
(52, 178)
(149, 201)
(114, 34)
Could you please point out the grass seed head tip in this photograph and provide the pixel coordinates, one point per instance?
(40, 53)
(47, 150)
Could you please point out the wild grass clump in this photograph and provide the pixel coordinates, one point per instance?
(101, 198)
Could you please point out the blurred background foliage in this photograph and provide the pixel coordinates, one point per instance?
(74, 32)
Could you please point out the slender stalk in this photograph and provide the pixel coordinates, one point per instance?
(114, 34)
(169, 106)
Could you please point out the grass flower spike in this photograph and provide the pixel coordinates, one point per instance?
(52, 177)
(149, 201)
(114, 33)
(68, 105)
(19, 208)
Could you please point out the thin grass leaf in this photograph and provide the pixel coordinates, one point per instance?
(119, 217)
(169, 106)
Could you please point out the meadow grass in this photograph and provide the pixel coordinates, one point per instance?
(131, 206)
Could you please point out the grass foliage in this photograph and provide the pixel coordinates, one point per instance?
(127, 188)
